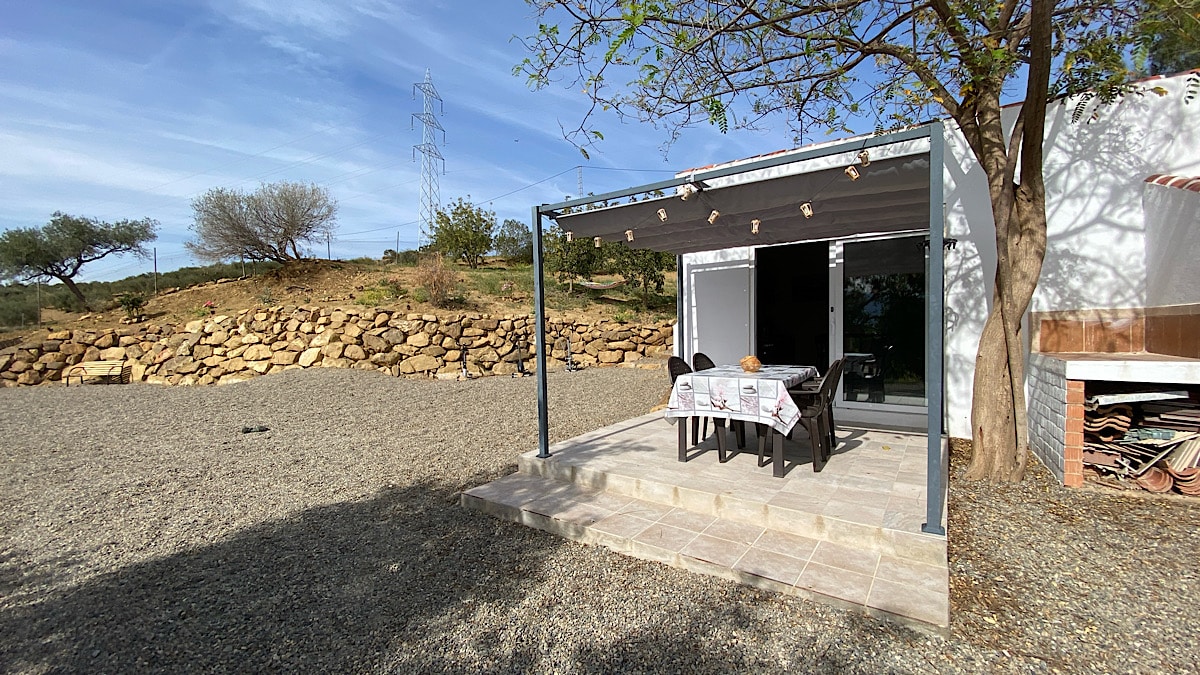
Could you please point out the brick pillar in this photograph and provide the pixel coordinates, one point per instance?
(1073, 450)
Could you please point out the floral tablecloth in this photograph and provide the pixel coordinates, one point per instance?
(732, 393)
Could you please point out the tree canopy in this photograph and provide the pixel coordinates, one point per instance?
(270, 223)
(63, 246)
(514, 241)
(830, 65)
(464, 232)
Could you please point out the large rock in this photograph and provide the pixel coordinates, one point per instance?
(30, 377)
(112, 354)
(375, 343)
(386, 358)
(420, 363)
(309, 356)
(333, 350)
(418, 340)
(611, 357)
(354, 353)
(284, 358)
(257, 353)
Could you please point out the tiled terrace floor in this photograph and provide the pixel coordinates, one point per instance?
(849, 535)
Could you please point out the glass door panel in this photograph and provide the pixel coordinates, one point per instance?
(883, 314)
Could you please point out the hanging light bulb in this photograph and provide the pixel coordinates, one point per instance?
(596, 242)
(662, 215)
(570, 236)
(712, 217)
(687, 191)
(853, 172)
(628, 235)
(754, 225)
(806, 209)
(864, 158)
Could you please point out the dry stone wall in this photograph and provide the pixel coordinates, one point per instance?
(222, 349)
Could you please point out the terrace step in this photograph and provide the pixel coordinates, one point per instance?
(758, 554)
(748, 501)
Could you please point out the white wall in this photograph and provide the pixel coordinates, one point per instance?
(1172, 245)
(1098, 250)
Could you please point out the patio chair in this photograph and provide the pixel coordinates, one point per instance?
(805, 393)
(676, 367)
(816, 415)
(701, 361)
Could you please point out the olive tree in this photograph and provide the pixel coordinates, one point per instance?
(464, 232)
(268, 224)
(61, 248)
(819, 64)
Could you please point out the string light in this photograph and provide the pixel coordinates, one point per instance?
(853, 172)
(662, 215)
(628, 235)
(596, 242)
(712, 217)
(864, 158)
(570, 236)
(687, 191)
(806, 209)
(754, 225)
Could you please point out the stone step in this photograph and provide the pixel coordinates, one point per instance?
(758, 554)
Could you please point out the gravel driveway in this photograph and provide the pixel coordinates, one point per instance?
(140, 529)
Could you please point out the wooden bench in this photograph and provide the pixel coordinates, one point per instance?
(108, 371)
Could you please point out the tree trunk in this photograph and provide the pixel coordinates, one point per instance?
(1000, 436)
(70, 284)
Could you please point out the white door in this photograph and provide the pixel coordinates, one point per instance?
(720, 308)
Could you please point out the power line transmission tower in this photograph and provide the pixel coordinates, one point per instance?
(430, 153)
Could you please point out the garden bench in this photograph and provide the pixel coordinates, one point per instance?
(107, 371)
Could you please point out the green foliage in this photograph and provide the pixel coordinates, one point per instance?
(1169, 36)
(132, 303)
(514, 242)
(570, 260)
(464, 233)
(408, 257)
(388, 289)
(64, 245)
(18, 305)
(642, 268)
(504, 284)
(815, 67)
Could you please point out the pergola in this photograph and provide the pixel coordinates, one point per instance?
(759, 202)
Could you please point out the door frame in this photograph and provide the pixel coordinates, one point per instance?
(884, 415)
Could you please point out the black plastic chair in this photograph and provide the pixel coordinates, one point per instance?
(700, 361)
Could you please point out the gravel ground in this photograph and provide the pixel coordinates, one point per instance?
(141, 530)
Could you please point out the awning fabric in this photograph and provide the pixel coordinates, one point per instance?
(891, 195)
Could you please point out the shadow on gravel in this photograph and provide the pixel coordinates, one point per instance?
(404, 581)
(332, 588)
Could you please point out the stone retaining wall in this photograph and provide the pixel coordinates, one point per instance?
(221, 349)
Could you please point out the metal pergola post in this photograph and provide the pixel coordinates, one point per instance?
(539, 327)
(935, 488)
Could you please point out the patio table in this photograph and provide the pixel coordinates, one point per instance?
(730, 393)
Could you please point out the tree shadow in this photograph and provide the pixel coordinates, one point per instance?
(328, 588)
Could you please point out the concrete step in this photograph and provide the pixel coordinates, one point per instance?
(723, 541)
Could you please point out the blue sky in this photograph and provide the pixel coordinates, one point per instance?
(130, 109)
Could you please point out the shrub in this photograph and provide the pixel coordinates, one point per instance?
(132, 303)
(437, 280)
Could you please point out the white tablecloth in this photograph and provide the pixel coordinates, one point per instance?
(731, 393)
